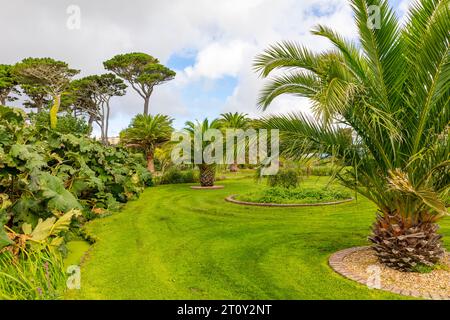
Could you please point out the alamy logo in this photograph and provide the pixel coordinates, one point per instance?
(74, 19)
(232, 146)
(374, 277)
(74, 280)
(374, 17)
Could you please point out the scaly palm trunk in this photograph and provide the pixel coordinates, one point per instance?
(234, 167)
(402, 244)
(207, 175)
(150, 162)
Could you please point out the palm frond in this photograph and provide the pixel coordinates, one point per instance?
(285, 55)
(299, 83)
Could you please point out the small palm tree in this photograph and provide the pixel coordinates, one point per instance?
(147, 132)
(235, 120)
(207, 170)
(392, 90)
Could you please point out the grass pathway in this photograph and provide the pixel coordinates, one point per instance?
(178, 243)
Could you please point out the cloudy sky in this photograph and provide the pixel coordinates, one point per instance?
(209, 43)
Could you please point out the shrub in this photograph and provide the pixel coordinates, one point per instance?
(174, 176)
(44, 170)
(284, 195)
(285, 178)
(66, 123)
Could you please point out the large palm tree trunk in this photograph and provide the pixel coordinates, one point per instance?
(207, 175)
(150, 162)
(234, 167)
(403, 245)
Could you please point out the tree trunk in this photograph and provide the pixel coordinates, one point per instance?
(2, 101)
(90, 122)
(403, 244)
(150, 162)
(207, 175)
(146, 103)
(107, 122)
(234, 167)
(104, 138)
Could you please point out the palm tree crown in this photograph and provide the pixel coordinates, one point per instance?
(392, 90)
(207, 171)
(237, 121)
(147, 132)
(234, 120)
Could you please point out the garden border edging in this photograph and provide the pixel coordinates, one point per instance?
(261, 204)
(336, 263)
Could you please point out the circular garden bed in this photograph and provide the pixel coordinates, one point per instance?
(361, 265)
(292, 197)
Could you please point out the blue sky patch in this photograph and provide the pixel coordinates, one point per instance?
(180, 62)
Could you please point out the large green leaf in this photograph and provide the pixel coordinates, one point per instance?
(4, 203)
(33, 159)
(52, 189)
(50, 227)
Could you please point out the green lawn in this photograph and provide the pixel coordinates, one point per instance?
(178, 243)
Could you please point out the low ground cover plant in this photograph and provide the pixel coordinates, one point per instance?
(302, 195)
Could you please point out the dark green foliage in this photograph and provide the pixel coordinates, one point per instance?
(283, 195)
(66, 123)
(52, 75)
(285, 178)
(142, 71)
(175, 175)
(43, 170)
(7, 83)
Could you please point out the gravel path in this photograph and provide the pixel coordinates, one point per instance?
(364, 264)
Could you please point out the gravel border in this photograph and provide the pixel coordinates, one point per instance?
(336, 263)
(261, 204)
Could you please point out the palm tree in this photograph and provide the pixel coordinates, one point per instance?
(147, 132)
(392, 91)
(235, 120)
(207, 170)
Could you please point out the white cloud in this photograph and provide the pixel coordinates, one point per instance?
(218, 59)
(225, 34)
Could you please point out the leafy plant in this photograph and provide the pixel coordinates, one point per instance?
(50, 76)
(198, 129)
(34, 275)
(382, 106)
(147, 132)
(142, 71)
(175, 175)
(42, 170)
(238, 121)
(67, 123)
(285, 178)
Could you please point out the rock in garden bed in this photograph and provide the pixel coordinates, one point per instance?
(361, 264)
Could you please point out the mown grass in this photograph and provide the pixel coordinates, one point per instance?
(179, 243)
